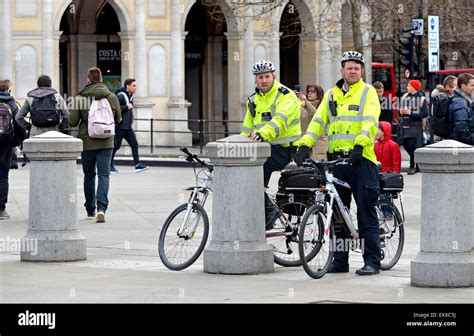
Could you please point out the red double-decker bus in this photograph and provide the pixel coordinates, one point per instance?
(385, 73)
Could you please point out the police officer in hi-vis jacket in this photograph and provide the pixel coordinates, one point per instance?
(273, 116)
(350, 113)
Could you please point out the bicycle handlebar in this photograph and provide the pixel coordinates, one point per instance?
(193, 157)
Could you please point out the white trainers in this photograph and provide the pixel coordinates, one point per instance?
(100, 217)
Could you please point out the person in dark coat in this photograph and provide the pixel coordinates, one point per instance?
(7, 145)
(460, 110)
(124, 130)
(413, 109)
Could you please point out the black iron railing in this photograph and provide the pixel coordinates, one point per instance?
(200, 131)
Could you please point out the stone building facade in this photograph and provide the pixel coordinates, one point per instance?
(191, 59)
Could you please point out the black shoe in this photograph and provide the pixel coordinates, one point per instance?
(334, 269)
(367, 270)
(14, 166)
(411, 171)
(417, 169)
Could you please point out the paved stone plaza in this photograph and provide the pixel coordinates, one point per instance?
(123, 265)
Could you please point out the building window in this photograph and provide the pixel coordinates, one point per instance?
(26, 8)
(260, 53)
(158, 71)
(157, 8)
(25, 70)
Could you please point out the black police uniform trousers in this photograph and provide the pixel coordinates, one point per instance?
(280, 157)
(363, 177)
(5, 160)
(278, 160)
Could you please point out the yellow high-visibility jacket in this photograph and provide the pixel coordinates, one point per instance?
(356, 121)
(274, 115)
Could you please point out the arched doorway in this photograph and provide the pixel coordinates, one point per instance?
(206, 69)
(290, 27)
(90, 38)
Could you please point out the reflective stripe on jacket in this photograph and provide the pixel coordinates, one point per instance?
(275, 115)
(355, 122)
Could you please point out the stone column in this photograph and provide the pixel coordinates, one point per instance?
(47, 42)
(367, 41)
(86, 57)
(446, 257)
(76, 80)
(178, 105)
(6, 54)
(140, 57)
(308, 68)
(235, 83)
(127, 39)
(52, 220)
(275, 51)
(249, 49)
(238, 244)
(143, 107)
(213, 94)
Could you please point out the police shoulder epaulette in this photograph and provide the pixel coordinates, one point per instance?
(284, 90)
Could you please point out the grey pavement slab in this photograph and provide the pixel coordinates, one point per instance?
(123, 264)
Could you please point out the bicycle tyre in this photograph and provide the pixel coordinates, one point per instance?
(163, 235)
(320, 246)
(386, 264)
(297, 207)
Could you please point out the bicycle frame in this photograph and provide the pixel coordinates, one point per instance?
(203, 187)
(344, 211)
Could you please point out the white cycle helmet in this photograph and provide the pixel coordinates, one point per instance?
(352, 56)
(262, 67)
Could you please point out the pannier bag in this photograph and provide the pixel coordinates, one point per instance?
(300, 179)
(391, 182)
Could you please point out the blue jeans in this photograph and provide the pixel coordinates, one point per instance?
(91, 159)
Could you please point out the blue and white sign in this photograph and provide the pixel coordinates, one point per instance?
(433, 43)
(417, 25)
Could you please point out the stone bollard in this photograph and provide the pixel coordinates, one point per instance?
(52, 221)
(238, 244)
(446, 257)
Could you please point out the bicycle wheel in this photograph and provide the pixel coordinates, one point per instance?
(311, 240)
(178, 252)
(392, 234)
(284, 235)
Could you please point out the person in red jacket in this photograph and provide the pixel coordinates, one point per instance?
(387, 151)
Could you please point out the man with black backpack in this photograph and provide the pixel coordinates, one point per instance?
(11, 135)
(440, 124)
(46, 107)
(460, 110)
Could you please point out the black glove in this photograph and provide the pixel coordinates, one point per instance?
(301, 155)
(356, 154)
